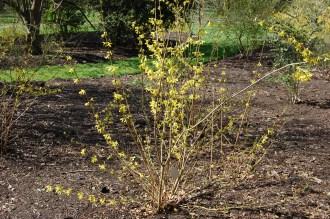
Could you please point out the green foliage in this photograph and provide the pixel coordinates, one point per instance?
(90, 70)
(241, 17)
(68, 17)
(307, 22)
(299, 34)
(120, 16)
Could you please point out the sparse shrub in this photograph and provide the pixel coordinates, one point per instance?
(301, 35)
(12, 107)
(12, 41)
(240, 20)
(16, 97)
(184, 133)
(291, 50)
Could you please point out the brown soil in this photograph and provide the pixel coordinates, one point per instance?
(292, 181)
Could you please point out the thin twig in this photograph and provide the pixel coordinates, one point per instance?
(79, 171)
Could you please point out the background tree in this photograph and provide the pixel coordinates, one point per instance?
(241, 17)
(2, 6)
(118, 16)
(30, 12)
(308, 22)
(69, 15)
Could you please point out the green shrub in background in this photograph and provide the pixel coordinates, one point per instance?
(306, 22)
(301, 35)
(240, 18)
(119, 17)
(68, 17)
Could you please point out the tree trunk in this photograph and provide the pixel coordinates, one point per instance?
(30, 11)
(2, 5)
(34, 38)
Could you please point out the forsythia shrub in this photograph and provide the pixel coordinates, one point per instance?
(181, 125)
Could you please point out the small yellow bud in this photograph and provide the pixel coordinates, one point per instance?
(82, 92)
(49, 188)
(281, 34)
(68, 58)
(58, 189)
(94, 159)
(92, 199)
(76, 81)
(112, 69)
(83, 152)
(68, 192)
(104, 35)
(102, 167)
(118, 97)
(102, 201)
(80, 195)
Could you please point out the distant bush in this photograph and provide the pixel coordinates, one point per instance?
(119, 17)
(68, 17)
(241, 17)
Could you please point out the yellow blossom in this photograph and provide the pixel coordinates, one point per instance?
(301, 75)
(94, 159)
(58, 189)
(83, 152)
(122, 155)
(281, 34)
(122, 108)
(104, 35)
(107, 44)
(92, 199)
(76, 81)
(261, 23)
(118, 97)
(114, 144)
(49, 188)
(112, 68)
(80, 195)
(153, 106)
(102, 201)
(68, 192)
(102, 167)
(112, 202)
(71, 70)
(68, 58)
(82, 92)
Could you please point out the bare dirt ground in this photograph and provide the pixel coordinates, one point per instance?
(292, 181)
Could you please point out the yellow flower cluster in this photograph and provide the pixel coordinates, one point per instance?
(82, 92)
(81, 196)
(304, 52)
(302, 75)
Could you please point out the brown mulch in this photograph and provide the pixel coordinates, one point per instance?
(292, 181)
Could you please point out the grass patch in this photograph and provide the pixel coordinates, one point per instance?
(218, 44)
(90, 70)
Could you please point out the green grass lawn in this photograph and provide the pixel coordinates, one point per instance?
(89, 70)
(218, 44)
